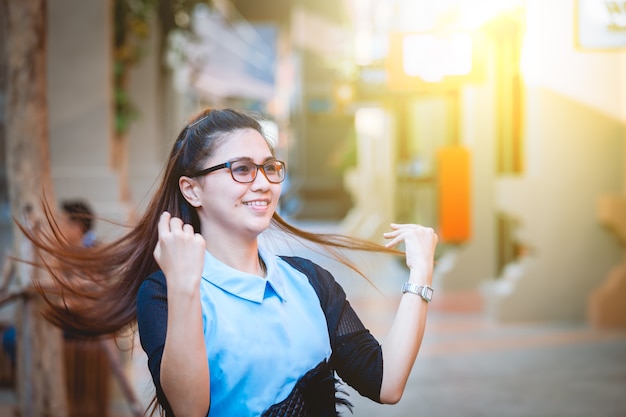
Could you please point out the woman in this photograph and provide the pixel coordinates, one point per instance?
(229, 328)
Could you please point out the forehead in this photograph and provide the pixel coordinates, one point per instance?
(244, 143)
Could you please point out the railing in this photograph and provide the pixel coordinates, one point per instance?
(89, 365)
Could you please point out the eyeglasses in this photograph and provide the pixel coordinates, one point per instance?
(245, 171)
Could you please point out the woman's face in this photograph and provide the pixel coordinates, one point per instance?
(228, 207)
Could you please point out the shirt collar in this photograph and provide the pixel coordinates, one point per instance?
(241, 284)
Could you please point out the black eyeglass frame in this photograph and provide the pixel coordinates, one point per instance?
(256, 172)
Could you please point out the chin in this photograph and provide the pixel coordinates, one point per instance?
(259, 226)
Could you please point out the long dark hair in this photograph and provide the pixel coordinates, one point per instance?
(93, 289)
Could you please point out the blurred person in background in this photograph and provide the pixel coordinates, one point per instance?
(230, 328)
(78, 223)
(76, 228)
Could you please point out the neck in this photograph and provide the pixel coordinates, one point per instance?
(243, 258)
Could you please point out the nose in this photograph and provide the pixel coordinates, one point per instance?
(260, 180)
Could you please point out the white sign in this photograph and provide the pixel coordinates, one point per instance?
(432, 57)
(601, 24)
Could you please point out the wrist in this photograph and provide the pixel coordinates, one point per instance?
(421, 290)
(185, 288)
(421, 275)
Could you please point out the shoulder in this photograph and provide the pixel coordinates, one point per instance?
(320, 279)
(313, 271)
(151, 305)
(152, 287)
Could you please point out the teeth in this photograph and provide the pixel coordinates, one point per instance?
(256, 203)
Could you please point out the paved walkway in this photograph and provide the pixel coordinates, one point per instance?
(469, 366)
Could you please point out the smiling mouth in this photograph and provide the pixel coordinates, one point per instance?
(256, 203)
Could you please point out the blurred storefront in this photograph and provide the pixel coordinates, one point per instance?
(502, 129)
(499, 123)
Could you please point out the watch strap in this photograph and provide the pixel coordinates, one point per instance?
(424, 291)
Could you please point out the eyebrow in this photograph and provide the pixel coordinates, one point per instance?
(247, 158)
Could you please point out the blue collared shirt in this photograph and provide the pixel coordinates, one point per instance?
(262, 334)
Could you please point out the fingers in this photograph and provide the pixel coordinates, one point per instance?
(176, 225)
(405, 226)
(164, 223)
(401, 228)
(179, 251)
(420, 243)
(188, 229)
(171, 229)
(163, 229)
(168, 224)
(403, 232)
(392, 243)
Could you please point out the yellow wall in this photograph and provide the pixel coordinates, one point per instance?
(574, 153)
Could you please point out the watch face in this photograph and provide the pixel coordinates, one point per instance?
(428, 293)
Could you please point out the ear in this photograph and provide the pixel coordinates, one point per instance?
(190, 189)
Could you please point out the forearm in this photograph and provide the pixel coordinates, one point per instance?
(184, 367)
(403, 342)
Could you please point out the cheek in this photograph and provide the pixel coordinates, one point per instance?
(223, 189)
(234, 194)
(277, 191)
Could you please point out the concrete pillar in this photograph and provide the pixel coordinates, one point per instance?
(151, 136)
(80, 36)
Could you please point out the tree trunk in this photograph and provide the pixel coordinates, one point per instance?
(40, 374)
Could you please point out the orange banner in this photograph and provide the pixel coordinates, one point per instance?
(454, 194)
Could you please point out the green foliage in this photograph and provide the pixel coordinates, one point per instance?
(125, 110)
(132, 21)
(132, 28)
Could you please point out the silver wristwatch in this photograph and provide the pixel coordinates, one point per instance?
(424, 291)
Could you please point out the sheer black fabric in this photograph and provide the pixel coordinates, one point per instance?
(357, 356)
(313, 396)
(152, 304)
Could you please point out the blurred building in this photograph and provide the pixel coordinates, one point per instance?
(499, 123)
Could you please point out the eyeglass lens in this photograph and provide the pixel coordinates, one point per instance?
(246, 171)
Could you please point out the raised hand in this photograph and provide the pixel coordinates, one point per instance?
(420, 243)
(179, 252)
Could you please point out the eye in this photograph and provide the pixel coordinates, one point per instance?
(241, 168)
(272, 167)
